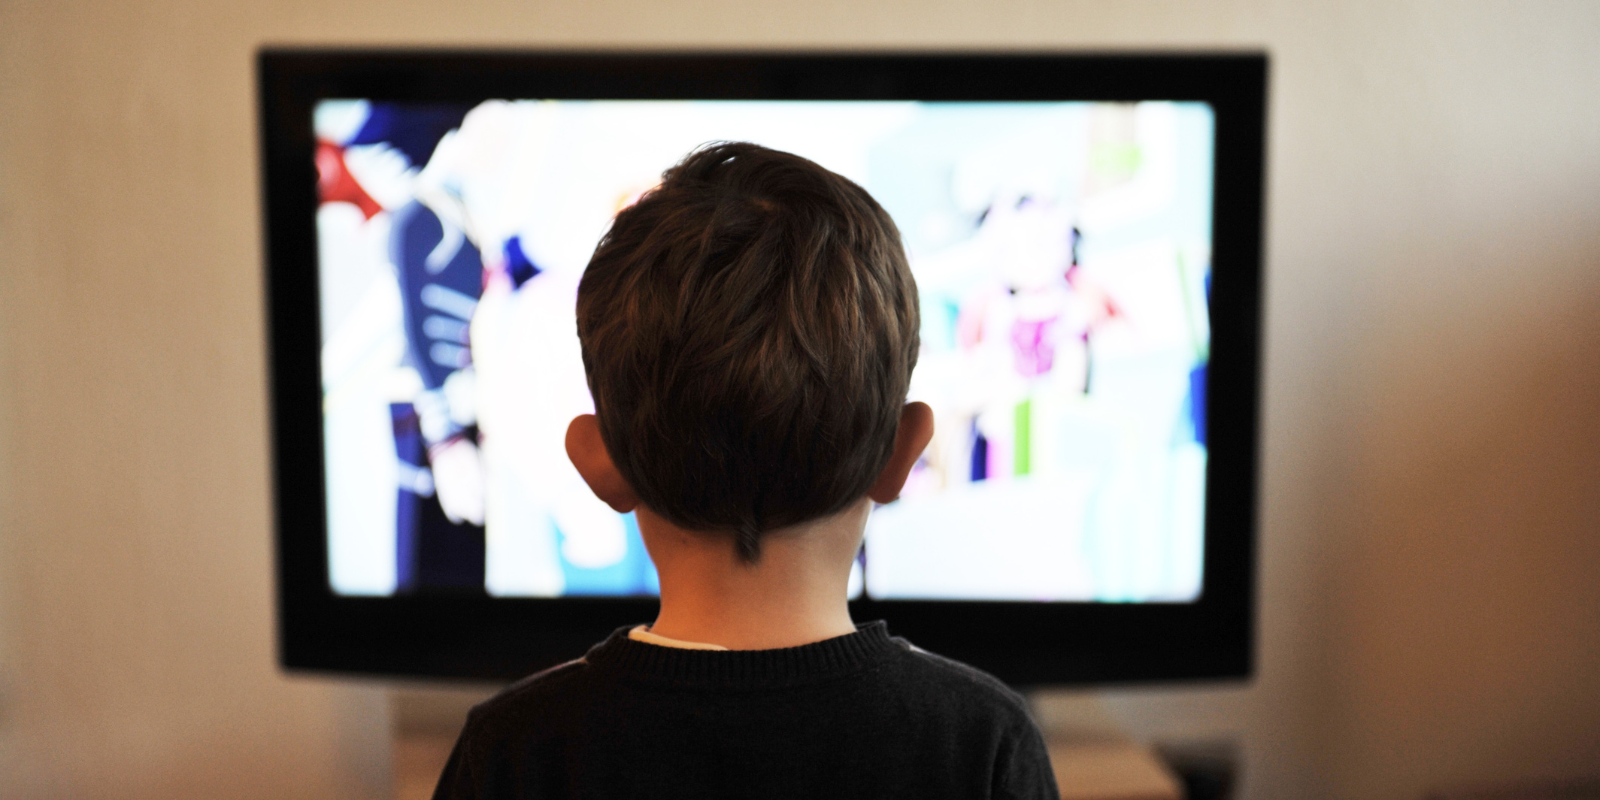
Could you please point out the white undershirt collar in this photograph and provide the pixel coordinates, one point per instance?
(641, 633)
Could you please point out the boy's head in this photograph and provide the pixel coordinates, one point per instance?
(749, 328)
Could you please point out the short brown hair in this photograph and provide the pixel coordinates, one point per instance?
(749, 328)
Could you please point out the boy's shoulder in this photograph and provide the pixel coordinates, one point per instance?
(539, 695)
(977, 683)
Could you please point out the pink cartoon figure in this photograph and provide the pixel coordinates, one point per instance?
(1040, 297)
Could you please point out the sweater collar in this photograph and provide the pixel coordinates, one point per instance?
(735, 669)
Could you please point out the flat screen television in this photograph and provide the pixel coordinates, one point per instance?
(1085, 232)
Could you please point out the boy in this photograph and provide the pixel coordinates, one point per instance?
(749, 328)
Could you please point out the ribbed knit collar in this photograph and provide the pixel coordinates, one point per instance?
(744, 669)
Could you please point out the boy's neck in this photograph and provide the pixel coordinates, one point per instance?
(794, 595)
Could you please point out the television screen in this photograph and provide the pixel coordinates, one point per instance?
(1084, 231)
(1062, 254)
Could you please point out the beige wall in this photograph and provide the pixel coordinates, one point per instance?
(1431, 495)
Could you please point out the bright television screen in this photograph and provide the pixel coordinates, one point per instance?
(1062, 251)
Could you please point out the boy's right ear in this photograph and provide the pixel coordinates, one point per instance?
(588, 453)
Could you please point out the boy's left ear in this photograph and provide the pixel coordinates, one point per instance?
(916, 430)
(588, 453)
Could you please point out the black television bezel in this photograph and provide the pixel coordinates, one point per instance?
(499, 639)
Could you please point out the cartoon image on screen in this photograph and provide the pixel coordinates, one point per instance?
(1062, 254)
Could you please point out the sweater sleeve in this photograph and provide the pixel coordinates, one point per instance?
(1024, 772)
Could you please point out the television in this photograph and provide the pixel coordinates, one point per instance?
(1085, 233)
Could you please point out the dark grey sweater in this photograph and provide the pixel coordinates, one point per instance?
(865, 715)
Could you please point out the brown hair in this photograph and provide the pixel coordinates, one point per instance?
(749, 328)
